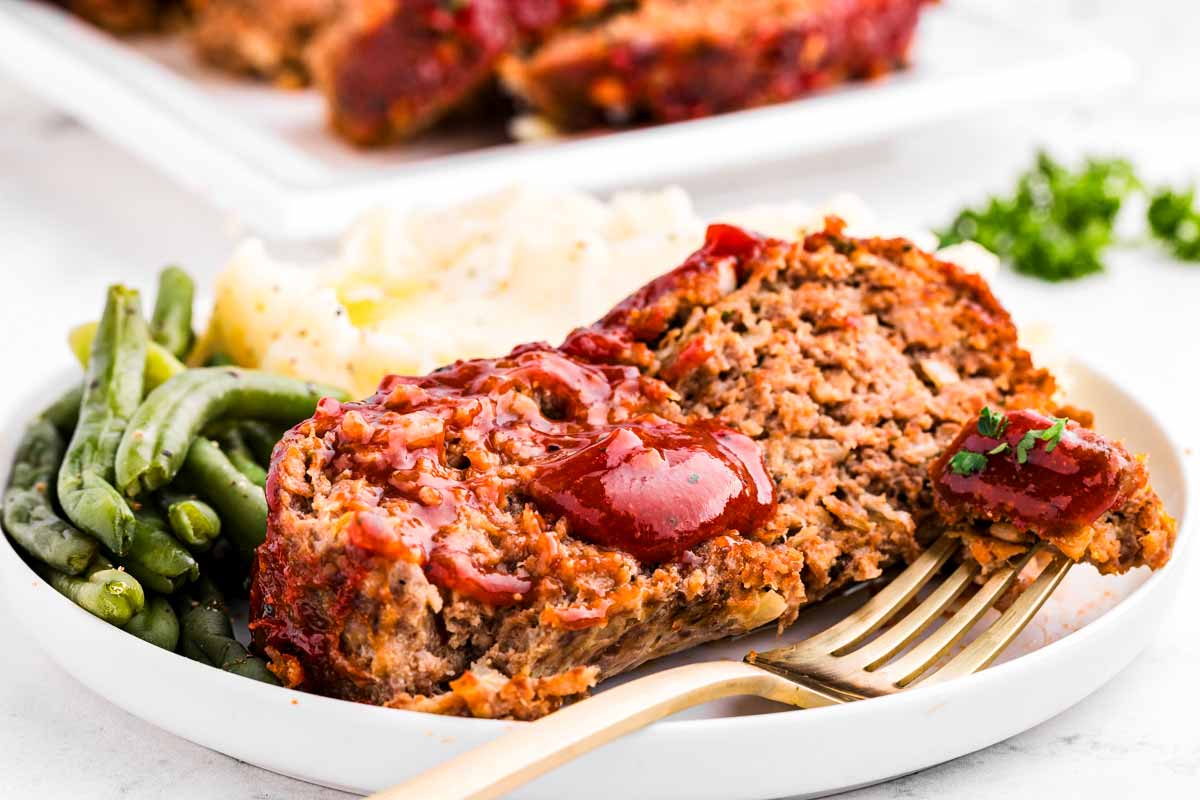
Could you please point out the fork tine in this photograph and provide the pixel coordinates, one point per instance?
(893, 597)
(912, 623)
(981, 652)
(920, 658)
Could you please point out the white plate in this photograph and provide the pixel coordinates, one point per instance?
(266, 156)
(1088, 631)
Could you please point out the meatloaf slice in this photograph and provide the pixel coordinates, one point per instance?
(391, 68)
(265, 38)
(679, 59)
(739, 438)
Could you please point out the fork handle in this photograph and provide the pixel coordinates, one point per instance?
(535, 748)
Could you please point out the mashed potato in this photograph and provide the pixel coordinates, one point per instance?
(408, 292)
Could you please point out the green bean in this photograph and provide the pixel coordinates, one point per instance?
(233, 444)
(63, 413)
(156, 558)
(30, 520)
(161, 366)
(224, 566)
(171, 323)
(39, 455)
(29, 515)
(194, 521)
(156, 623)
(162, 584)
(261, 437)
(110, 594)
(111, 393)
(159, 434)
(242, 505)
(206, 635)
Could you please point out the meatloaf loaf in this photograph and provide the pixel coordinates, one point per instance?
(392, 67)
(680, 59)
(739, 438)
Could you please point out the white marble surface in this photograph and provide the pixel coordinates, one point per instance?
(76, 213)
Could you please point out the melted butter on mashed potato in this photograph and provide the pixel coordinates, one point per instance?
(410, 291)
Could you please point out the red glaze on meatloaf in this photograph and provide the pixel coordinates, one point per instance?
(737, 439)
(672, 60)
(391, 68)
(1052, 478)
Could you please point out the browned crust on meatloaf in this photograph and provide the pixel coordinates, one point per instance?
(262, 38)
(852, 363)
(680, 59)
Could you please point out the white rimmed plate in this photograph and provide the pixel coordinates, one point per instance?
(266, 156)
(1089, 630)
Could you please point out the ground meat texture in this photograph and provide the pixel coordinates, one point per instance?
(672, 60)
(408, 561)
(264, 38)
(391, 68)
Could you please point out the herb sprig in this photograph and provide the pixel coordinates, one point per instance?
(1051, 436)
(1058, 222)
(965, 463)
(993, 424)
(1175, 221)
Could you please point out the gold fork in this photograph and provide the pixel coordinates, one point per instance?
(827, 668)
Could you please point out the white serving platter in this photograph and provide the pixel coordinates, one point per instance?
(729, 750)
(265, 155)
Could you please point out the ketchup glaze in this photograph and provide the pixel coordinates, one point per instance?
(585, 442)
(655, 490)
(1051, 493)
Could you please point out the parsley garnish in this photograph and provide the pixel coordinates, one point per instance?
(1051, 436)
(991, 423)
(1175, 221)
(1057, 223)
(964, 462)
(1023, 446)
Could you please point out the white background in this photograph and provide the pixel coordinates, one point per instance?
(77, 213)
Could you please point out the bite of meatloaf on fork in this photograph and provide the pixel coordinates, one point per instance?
(1014, 477)
(739, 438)
(673, 60)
